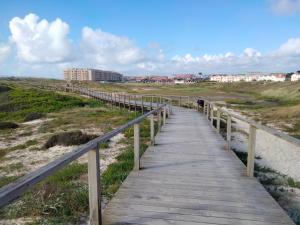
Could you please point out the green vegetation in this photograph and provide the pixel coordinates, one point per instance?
(62, 197)
(8, 125)
(68, 138)
(19, 103)
(33, 116)
(104, 145)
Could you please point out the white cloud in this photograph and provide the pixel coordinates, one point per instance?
(290, 48)
(251, 53)
(44, 48)
(40, 41)
(285, 6)
(108, 49)
(4, 51)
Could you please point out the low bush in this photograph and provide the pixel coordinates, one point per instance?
(4, 88)
(8, 125)
(68, 139)
(33, 116)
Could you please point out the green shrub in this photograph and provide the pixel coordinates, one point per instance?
(68, 139)
(21, 102)
(8, 125)
(33, 116)
(4, 88)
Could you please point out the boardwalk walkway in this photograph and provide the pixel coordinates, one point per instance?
(189, 177)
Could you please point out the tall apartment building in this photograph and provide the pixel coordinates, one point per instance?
(82, 74)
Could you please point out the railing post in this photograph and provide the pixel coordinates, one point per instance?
(151, 103)
(111, 100)
(124, 101)
(207, 110)
(136, 146)
(152, 129)
(159, 120)
(165, 115)
(218, 120)
(228, 132)
(135, 104)
(179, 101)
(142, 105)
(129, 104)
(94, 186)
(212, 115)
(251, 150)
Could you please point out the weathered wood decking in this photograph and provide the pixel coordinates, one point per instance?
(189, 177)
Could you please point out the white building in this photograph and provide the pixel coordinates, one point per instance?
(249, 77)
(295, 77)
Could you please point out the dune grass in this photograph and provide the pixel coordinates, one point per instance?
(19, 104)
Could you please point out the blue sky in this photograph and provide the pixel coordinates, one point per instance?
(149, 37)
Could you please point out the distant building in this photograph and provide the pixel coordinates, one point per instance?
(159, 79)
(250, 77)
(295, 76)
(82, 74)
(184, 78)
(277, 77)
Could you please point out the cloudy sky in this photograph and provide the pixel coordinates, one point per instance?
(41, 38)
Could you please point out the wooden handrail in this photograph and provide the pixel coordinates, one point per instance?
(253, 127)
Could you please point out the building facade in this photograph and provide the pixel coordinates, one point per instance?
(82, 74)
(295, 77)
(277, 77)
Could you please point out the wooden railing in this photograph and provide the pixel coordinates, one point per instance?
(12, 191)
(140, 101)
(216, 113)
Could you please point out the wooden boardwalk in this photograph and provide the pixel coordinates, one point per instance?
(189, 177)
